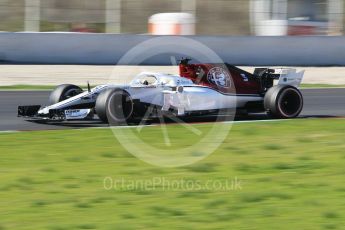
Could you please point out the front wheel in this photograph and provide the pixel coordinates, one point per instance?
(283, 101)
(114, 106)
(63, 92)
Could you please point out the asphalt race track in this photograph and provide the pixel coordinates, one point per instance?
(317, 103)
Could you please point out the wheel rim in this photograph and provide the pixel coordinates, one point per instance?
(290, 103)
(120, 107)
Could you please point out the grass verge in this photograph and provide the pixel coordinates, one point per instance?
(291, 176)
(29, 87)
(321, 86)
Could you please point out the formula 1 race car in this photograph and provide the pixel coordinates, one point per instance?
(198, 89)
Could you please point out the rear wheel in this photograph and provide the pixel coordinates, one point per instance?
(114, 106)
(283, 101)
(63, 92)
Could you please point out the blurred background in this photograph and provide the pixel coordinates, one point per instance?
(200, 17)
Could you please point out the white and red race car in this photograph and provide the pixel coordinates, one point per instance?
(198, 89)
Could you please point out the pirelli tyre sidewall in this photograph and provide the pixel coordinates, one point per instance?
(114, 106)
(63, 92)
(283, 101)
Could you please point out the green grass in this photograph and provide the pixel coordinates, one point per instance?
(291, 173)
(50, 87)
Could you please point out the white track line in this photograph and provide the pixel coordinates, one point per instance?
(340, 87)
(252, 121)
(10, 131)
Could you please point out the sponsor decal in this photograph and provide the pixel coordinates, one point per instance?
(219, 77)
(245, 78)
(72, 111)
(182, 82)
(76, 113)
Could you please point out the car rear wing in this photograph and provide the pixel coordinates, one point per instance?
(281, 76)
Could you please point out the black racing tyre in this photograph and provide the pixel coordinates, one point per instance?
(63, 92)
(114, 106)
(283, 101)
